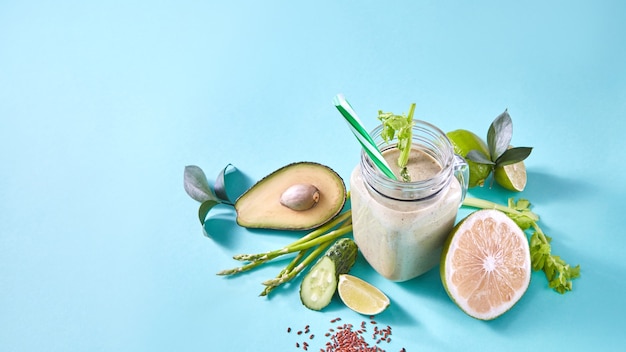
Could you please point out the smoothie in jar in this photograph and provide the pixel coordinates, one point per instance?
(400, 227)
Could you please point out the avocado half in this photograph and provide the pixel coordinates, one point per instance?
(260, 206)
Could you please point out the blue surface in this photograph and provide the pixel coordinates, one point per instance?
(102, 104)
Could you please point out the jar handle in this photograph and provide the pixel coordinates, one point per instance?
(461, 172)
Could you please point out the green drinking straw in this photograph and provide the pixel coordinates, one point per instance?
(362, 136)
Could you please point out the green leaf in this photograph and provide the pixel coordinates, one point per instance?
(521, 204)
(513, 155)
(550, 270)
(537, 260)
(478, 157)
(559, 285)
(574, 272)
(220, 186)
(204, 209)
(391, 123)
(559, 262)
(522, 220)
(526, 219)
(399, 126)
(499, 135)
(535, 240)
(197, 186)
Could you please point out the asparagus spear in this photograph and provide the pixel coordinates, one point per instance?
(260, 258)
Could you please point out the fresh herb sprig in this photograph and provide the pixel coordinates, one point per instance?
(402, 127)
(499, 138)
(558, 273)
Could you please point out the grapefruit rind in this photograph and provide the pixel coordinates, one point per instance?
(472, 264)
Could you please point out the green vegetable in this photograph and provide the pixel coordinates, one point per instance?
(308, 247)
(316, 237)
(557, 271)
(320, 283)
(402, 127)
(499, 138)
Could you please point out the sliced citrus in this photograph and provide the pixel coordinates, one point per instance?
(361, 296)
(512, 176)
(463, 142)
(485, 264)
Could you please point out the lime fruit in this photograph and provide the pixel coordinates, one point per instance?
(485, 264)
(361, 296)
(512, 176)
(463, 142)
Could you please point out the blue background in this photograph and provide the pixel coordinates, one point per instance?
(102, 104)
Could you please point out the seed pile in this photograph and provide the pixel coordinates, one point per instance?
(346, 338)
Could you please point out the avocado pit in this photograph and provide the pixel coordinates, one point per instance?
(300, 197)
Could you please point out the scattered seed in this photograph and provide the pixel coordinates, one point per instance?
(343, 338)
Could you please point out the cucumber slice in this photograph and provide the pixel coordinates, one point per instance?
(320, 283)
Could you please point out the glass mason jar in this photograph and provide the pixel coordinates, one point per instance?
(400, 227)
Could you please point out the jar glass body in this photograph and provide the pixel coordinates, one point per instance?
(400, 227)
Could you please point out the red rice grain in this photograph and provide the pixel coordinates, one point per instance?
(344, 339)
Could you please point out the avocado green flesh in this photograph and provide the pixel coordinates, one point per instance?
(260, 206)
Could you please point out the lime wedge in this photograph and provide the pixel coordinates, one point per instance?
(361, 296)
(512, 176)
